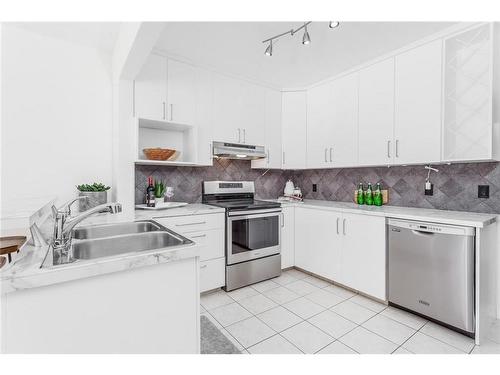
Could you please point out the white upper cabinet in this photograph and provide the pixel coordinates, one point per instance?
(204, 115)
(319, 126)
(418, 91)
(150, 89)
(294, 129)
(252, 114)
(343, 148)
(181, 93)
(272, 132)
(376, 114)
(239, 111)
(226, 109)
(467, 126)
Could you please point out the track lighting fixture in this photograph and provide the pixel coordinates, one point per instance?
(306, 39)
(269, 49)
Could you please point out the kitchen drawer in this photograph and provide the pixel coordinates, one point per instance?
(210, 241)
(212, 274)
(193, 223)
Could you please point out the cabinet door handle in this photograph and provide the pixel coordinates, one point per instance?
(199, 236)
(267, 156)
(164, 111)
(389, 149)
(282, 219)
(331, 151)
(338, 219)
(133, 98)
(186, 224)
(343, 227)
(171, 112)
(239, 135)
(283, 157)
(203, 266)
(244, 135)
(326, 161)
(397, 148)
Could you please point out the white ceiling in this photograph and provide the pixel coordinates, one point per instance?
(237, 48)
(99, 35)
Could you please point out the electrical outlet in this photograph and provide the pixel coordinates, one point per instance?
(483, 191)
(315, 188)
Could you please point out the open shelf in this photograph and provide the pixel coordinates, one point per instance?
(172, 163)
(166, 134)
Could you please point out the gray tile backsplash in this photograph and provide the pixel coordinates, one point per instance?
(455, 186)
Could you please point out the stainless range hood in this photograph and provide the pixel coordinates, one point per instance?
(238, 151)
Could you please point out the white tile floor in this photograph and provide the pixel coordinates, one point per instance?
(298, 313)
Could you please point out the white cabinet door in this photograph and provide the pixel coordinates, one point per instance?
(288, 237)
(343, 131)
(319, 126)
(363, 262)
(272, 132)
(226, 111)
(150, 89)
(467, 125)
(376, 114)
(204, 116)
(181, 93)
(294, 129)
(252, 115)
(317, 241)
(418, 84)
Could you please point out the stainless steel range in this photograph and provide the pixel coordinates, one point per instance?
(253, 235)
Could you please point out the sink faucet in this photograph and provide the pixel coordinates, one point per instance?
(64, 224)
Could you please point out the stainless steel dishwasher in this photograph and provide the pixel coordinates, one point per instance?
(431, 271)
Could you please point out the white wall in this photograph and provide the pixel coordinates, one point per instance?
(56, 118)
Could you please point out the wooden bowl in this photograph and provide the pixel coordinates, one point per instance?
(158, 153)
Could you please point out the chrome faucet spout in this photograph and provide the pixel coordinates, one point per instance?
(63, 229)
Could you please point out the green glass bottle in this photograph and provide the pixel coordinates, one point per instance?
(369, 195)
(361, 194)
(377, 196)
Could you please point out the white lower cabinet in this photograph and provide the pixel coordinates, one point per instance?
(212, 274)
(363, 264)
(347, 248)
(317, 244)
(208, 232)
(287, 237)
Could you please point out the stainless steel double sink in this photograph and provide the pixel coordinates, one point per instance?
(99, 241)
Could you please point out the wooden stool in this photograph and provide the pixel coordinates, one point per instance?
(8, 245)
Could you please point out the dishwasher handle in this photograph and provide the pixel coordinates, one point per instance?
(422, 233)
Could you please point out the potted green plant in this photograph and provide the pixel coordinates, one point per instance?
(160, 188)
(96, 194)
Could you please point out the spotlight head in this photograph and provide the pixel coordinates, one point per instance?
(306, 39)
(269, 49)
(333, 24)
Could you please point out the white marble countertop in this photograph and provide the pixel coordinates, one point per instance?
(470, 219)
(26, 272)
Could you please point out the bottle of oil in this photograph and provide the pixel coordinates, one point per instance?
(361, 194)
(377, 196)
(369, 195)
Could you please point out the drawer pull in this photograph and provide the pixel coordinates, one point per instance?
(203, 266)
(186, 224)
(199, 236)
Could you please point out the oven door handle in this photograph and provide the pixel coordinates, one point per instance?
(253, 212)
